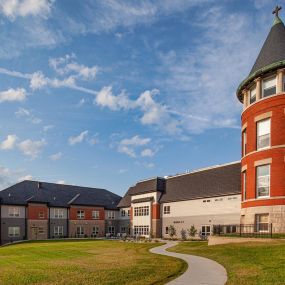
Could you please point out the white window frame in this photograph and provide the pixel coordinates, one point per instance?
(58, 213)
(14, 231)
(123, 213)
(123, 230)
(205, 230)
(257, 183)
(141, 211)
(258, 123)
(80, 214)
(58, 231)
(111, 230)
(252, 91)
(96, 215)
(14, 212)
(244, 142)
(111, 215)
(166, 210)
(142, 230)
(95, 230)
(244, 184)
(80, 231)
(258, 223)
(264, 82)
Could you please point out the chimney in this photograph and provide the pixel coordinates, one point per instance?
(39, 185)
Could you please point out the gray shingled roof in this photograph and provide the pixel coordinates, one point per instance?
(146, 186)
(211, 182)
(58, 195)
(273, 49)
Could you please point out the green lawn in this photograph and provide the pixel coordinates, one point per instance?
(85, 262)
(254, 263)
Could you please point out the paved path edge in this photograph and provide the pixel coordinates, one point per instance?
(200, 271)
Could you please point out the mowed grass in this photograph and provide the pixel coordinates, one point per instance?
(253, 263)
(85, 262)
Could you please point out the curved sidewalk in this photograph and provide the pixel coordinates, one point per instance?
(200, 270)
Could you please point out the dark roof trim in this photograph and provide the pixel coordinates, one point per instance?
(262, 71)
(140, 200)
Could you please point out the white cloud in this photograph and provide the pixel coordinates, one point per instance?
(8, 176)
(67, 65)
(106, 98)
(135, 141)
(55, 156)
(38, 80)
(129, 146)
(48, 127)
(147, 153)
(78, 139)
(26, 177)
(9, 142)
(11, 95)
(25, 113)
(153, 112)
(23, 8)
(31, 148)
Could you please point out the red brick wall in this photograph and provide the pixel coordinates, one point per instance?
(155, 211)
(276, 105)
(88, 212)
(34, 210)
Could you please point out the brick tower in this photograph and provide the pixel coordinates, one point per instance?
(263, 135)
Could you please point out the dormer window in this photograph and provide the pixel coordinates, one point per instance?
(252, 95)
(269, 87)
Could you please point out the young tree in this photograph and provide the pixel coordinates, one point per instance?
(192, 231)
(183, 234)
(171, 231)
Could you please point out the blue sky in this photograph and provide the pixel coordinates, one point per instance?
(104, 93)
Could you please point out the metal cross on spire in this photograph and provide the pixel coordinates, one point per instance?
(276, 10)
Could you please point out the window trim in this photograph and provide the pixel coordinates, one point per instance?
(58, 232)
(269, 182)
(14, 235)
(268, 79)
(14, 212)
(95, 216)
(257, 136)
(244, 184)
(80, 214)
(166, 210)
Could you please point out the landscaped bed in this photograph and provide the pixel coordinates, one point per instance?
(86, 262)
(253, 263)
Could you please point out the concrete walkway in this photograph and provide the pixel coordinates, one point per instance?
(200, 270)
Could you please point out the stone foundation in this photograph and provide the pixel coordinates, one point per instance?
(276, 216)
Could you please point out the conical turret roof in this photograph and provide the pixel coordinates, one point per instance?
(272, 54)
(273, 49)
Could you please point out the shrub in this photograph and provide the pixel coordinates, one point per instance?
(192, 231)
(183, 234)
(172, 231)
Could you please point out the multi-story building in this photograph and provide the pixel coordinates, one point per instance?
(202, 198)
(36, 210)
(248, 192)
(263, 135)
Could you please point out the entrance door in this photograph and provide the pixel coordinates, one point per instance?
(205, 230)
